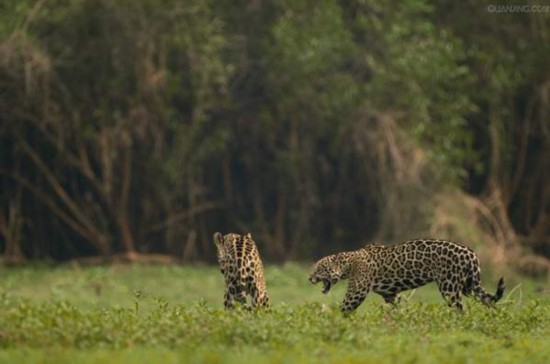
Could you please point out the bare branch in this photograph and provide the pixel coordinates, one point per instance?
(182, 216)
(57, 187)
(82, 230)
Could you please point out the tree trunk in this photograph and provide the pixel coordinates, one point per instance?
(10, 229)
(122, 217)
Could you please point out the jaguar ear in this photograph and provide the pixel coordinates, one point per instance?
(249, 236)
(218, 240)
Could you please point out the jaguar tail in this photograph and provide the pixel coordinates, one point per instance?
(487, 298)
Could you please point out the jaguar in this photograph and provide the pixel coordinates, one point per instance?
(389, 270)
(242, 268)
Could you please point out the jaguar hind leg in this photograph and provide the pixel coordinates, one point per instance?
(228, 300)
(259, 298)
(451, 294)
(392, 298)
(234, 293)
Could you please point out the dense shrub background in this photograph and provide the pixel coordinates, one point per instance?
(144, 126)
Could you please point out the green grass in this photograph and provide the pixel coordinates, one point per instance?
(147, 314)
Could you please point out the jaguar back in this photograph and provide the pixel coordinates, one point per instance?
(242, 268)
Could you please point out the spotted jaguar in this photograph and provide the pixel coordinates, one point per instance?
(242, 268)
(388, 270)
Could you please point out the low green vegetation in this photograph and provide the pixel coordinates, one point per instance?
(174, 314)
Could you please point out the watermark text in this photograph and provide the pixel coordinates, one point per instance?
(511, 9)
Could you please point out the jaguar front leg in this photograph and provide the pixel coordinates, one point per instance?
(228, 300)
(355, 295)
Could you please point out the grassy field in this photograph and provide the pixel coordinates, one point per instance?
(147, 314)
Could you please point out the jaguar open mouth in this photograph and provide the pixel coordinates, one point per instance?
(326, 286)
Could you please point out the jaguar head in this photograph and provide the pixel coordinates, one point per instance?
(328, 270)
(220, 247)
